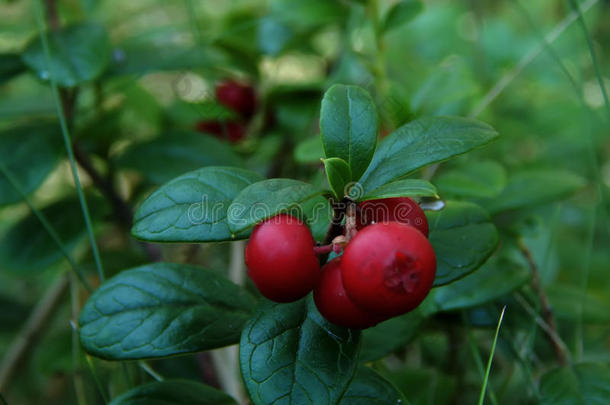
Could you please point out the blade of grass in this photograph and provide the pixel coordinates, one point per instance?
(66, 137)
(491, 355)
(96, 379)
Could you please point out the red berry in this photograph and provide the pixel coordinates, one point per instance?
(388, 268)
(239, 97)
(400, 209)
(233, 131)
(281, 260)
(334, 304)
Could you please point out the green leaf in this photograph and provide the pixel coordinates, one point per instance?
(10, 66)
(338, 175)
(422, 142)
(30, 153)
(586, 384)
(401, 13)
(309, 151)
(318, 213)
(79, 53)
(348, 123)
(267, 198)
(535, 187)
(27, 247)
(289, 354)
(463, 237)
(370, 388)
(174, 392)
(192, 207)
(473, 180)
(493, 280)
(162, 309)
(571, 303)
(180, 153)
(403, 188)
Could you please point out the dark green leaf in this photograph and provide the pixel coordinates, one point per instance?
(535, 187)
(493, 280)
(289, 354)
(79, 53)
(174, 392)
(318, 213)
(401, 13)
(29, 153)
(422, 142)
(338, 175)
(463, 237)
(582, 384)
(267, 198)
(348, 123)
(309, 151)
(370, 388)
(473, 180)
(27, 247)
(192, 207)
(403, 188)
(179, 152)
(163, 309)
(10, 66)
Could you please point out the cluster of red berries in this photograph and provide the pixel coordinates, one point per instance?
(386, 269)
(239, 97)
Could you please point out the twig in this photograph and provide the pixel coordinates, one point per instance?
(334, 229)
(545, 307)
(32, 328)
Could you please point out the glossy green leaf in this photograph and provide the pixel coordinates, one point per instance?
(422, 142)
(267, 198)
(309, 151)
(473, 180)
(581, 384)
(338, 175)
(348, 124)
(192, 207)
(79, 53)
(493, 280)
(27, 247)
(174, 392)
(162, 309)
(30, 153)
(463, 237)
(402, 188)
(401, 13)
(370, 388)
(10, 66)
(534, 187)
(289, 354)
(180, 152)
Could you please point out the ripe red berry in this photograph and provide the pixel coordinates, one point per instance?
(334, 304)
(237, 96)
(233, 131)
(281, 260)
(400, 209)
(388, 268)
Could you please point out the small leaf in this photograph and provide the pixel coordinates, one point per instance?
(422, 142)
(401, 13)
(267, 198)
(30, 153)
(535, 187)
(338, 174)
(463, 237)
(348, 123)
(290, 354)
(192, 207)
(174, 392)
(309, 151)
(369, 388)
(403, 188)
(473, 180)
(10, 66)
(163, 309)
(585, 383)
(79, 53)
(180, 153)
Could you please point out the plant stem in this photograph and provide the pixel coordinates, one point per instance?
(79, 387)
(29, 334)
(334, 228)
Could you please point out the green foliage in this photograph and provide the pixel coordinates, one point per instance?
(402, 188)
(338, 174)
(585, 383)
(368, 387)
(401, 13)
(174, 392)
